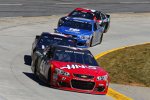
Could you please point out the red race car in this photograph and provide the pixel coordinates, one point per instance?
(102, 18)
(70, 68)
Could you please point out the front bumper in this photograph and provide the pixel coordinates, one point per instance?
(82, 85)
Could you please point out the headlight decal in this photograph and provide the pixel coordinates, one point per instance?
(61, 72)
(85, 37)
(105, 77)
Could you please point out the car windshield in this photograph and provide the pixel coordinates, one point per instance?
(77, 25)
(80, 14)
(75, 56)
(55, 40)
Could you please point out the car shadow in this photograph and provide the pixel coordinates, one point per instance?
(27, 60)
(40, 82)
(34, 78)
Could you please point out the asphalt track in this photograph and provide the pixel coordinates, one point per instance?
(13, 8)
(16, 36)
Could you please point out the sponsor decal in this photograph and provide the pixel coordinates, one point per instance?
(74, 66)
(84, 76)
(73, 30)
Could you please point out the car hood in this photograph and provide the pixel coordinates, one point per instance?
(73, 31)
(76, 68)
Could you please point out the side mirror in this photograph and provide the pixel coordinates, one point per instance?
(55, 30)
(37, 37)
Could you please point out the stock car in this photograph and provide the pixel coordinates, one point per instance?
(87, 32)
(102, 18)
(70, 68)
(46, 38)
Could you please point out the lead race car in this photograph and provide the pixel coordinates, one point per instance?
(102, 18)
(70, 68)
(86, 32)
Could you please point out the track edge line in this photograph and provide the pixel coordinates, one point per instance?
(113, 93)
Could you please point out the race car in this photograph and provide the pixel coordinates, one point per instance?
(46, 38)
(86, 32)
(102, 18)
(70, 68)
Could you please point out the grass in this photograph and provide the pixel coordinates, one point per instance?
(128, 66)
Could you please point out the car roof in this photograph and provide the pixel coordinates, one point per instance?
(85, 10)
(81, 19)
(55, 34)
(70, 48)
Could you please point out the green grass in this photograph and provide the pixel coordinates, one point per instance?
(128, 66)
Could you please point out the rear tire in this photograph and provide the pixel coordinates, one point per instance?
(91, 42)
(35, 68)
(106, 27)
(101, 39)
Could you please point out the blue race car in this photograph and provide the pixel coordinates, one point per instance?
(87, 32)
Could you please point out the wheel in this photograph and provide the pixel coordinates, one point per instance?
(106, 28)
(101, 38)
(49, 77)
(35, 68)
(91, 42)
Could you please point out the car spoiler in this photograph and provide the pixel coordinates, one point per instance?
(37, 37)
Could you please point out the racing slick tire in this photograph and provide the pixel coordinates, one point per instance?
(49, 78)
(91, 42)
(34, 65)
(35, 69)
(101, 39)
(106, 27)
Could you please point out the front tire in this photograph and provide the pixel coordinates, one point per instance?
(49, 77)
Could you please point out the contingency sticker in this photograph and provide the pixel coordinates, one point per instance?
(78, 66)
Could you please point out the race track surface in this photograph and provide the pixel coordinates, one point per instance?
(11, 8)
(17, 34)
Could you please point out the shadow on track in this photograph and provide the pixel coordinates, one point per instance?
(34, 78)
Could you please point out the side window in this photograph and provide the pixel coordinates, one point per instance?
(95, 27)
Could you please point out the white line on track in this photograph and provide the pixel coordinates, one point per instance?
(144, 2)
(61, 3)
(11, 4)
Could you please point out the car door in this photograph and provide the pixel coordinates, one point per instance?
(45, 63)
(97, 33)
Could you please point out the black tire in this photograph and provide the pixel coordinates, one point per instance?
(91, 42)
(106, 27)
(101, 39)
(49, 77)
(35, 68)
